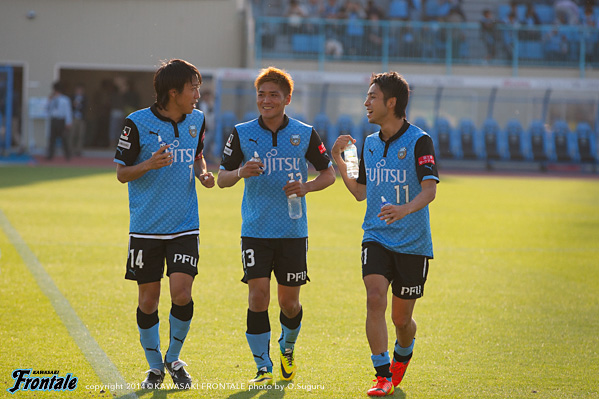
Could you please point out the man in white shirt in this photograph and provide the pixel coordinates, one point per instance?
(61, 118)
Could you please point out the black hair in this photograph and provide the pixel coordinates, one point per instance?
(173, 74)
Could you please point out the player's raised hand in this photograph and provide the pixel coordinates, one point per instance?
(341, 143)
(160, 158)
(251, 169)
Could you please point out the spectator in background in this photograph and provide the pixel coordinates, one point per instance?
(352, 9)
(374, 34)
(531, 20)
(588, 18)
(295, 13)
(79, 101)
(314, 8)
(455, 10)
(60, 113)
(354, 32)
(331, 9)
(489, 32)
(530, 16)
(590, 22)
(555, 45)
(371, 8)
(510, 30)
(567, 12)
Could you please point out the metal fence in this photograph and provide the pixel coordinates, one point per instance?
(385, 42)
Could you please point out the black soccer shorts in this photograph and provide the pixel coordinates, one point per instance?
(406, 273)
(145, 262)
(287, 257)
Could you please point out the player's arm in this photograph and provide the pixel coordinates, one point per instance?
(358, 190)
(128, 149)
(200, 168)
(426, 170)
(231, 170)
(393, 213)
(318, 157)
(325, 178)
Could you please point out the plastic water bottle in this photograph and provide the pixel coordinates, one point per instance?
(162, 143)
(351, 160)
(256, 158)
(294, 203)
(384, 203)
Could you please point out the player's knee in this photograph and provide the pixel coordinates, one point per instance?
(290, 306)
(376, 299)
(258, 300)
(181, 298)
(402, 322)
(148, 304)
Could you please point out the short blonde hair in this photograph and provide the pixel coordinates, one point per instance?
(275, 75)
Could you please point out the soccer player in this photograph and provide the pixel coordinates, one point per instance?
(397, 163)
(158, 154)
(270, 239)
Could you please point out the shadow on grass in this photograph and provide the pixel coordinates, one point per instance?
(277, 390)
(15, 176)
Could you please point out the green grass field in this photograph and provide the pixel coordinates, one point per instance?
(511, 306)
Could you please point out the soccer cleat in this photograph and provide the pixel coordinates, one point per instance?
(180, 377)
(153, 379)
(383, 387)
(398, 369)
(287, 365)
(263, 377)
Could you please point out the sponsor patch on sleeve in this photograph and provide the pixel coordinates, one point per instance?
(321, 148)
(228, 151)
(426, 159)
(124, 144)
(126, 132)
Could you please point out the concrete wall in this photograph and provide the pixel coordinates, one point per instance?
(43, 36)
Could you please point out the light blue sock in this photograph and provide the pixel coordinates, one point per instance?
(403, 352)
(381, 364)
(150, 342)
(290, 329)
(380, 360)
(178, 333)
(259, 345)
(288, 337)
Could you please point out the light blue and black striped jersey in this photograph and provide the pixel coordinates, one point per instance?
(394, 170)
(284, 154)
(162, 202)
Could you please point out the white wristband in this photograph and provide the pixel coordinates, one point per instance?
(238, 170)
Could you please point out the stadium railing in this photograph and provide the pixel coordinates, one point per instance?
(431, 42)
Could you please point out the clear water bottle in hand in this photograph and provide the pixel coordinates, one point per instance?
(162, 143)
(256, 158)
(384, 203)
(351, 160)
(294, 203)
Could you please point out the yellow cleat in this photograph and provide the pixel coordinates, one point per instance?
(288, 367)
(263, 377)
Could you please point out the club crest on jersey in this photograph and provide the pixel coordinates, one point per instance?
(402, 153)
(295, 139)
(193, 131)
